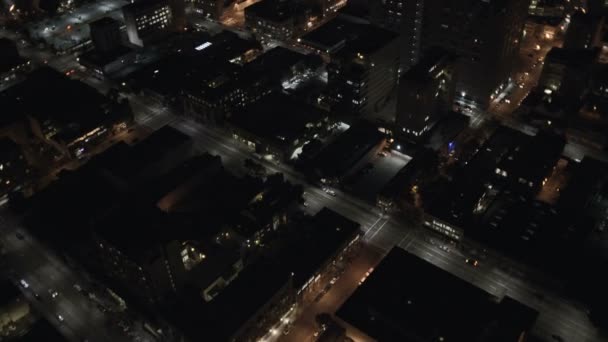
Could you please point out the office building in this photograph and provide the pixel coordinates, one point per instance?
(567, 71)
(277, 20)
(424, 93)
(584, 31)
(105, 34)
(178, 11)
(363, 67)
(547, 8)
(211, 9)
(329, 7)
(404, 17)
(485, 35)
(278, 125)
(147, 21)
(346, 153)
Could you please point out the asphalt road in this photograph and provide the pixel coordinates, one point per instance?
(27, 259)
(496, 274)
(558, 315)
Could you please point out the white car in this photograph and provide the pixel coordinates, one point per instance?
(24, 283)
(60, 318)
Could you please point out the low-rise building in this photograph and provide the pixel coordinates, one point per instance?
(391, 305)
(279, 126)
(277, 20)
(346, 152)
(55, 107)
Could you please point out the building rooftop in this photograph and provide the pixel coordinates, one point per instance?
(225, 315)
(43, 330)
(340, 33)
(571, 57)
(340, 155)
(406, 298)
(589, 177)
(502, 142)
(107, 178)
(100, 59)
(131, 163)
(9, 56)
(532, 161)
(50, 96)
(8, 292)
(258, 283)
(200, 64)
(427, 68)
(313, 243)
(278, 118)
(277, 11)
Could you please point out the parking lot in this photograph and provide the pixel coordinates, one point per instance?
(369, 179)
(70, 29)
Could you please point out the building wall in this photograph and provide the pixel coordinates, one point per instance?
(420, 103)
(362, 84)
(212, 9)
(484, 35)
(404, 17)
(149, 23)
(268, 315)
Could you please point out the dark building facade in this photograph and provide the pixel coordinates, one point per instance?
(147, 21)
(105, 34)
(485, 35)
(424, 92)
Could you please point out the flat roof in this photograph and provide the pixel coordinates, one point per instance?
(533, 160)
(572, 57)
(500, 144)
(588, 178)
(307, 248)
(278, 118)
(129, 162)
(406, 298)
(341, 154)
(43, 330)
(8, 292)
(50, 95)
(204, 70)
(340, 33)
(273, 10)
(101, 59)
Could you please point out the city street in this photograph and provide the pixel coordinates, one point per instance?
(81, 318)
(74, 314)
(496, 274)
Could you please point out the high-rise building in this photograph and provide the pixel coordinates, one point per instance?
(105, 34)
(178, 10)
(404, 17)
(212, 9)
(584, 31)
(363, 68)
(147, 21)
(424, 92)
(329, 7)
(485, 35)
